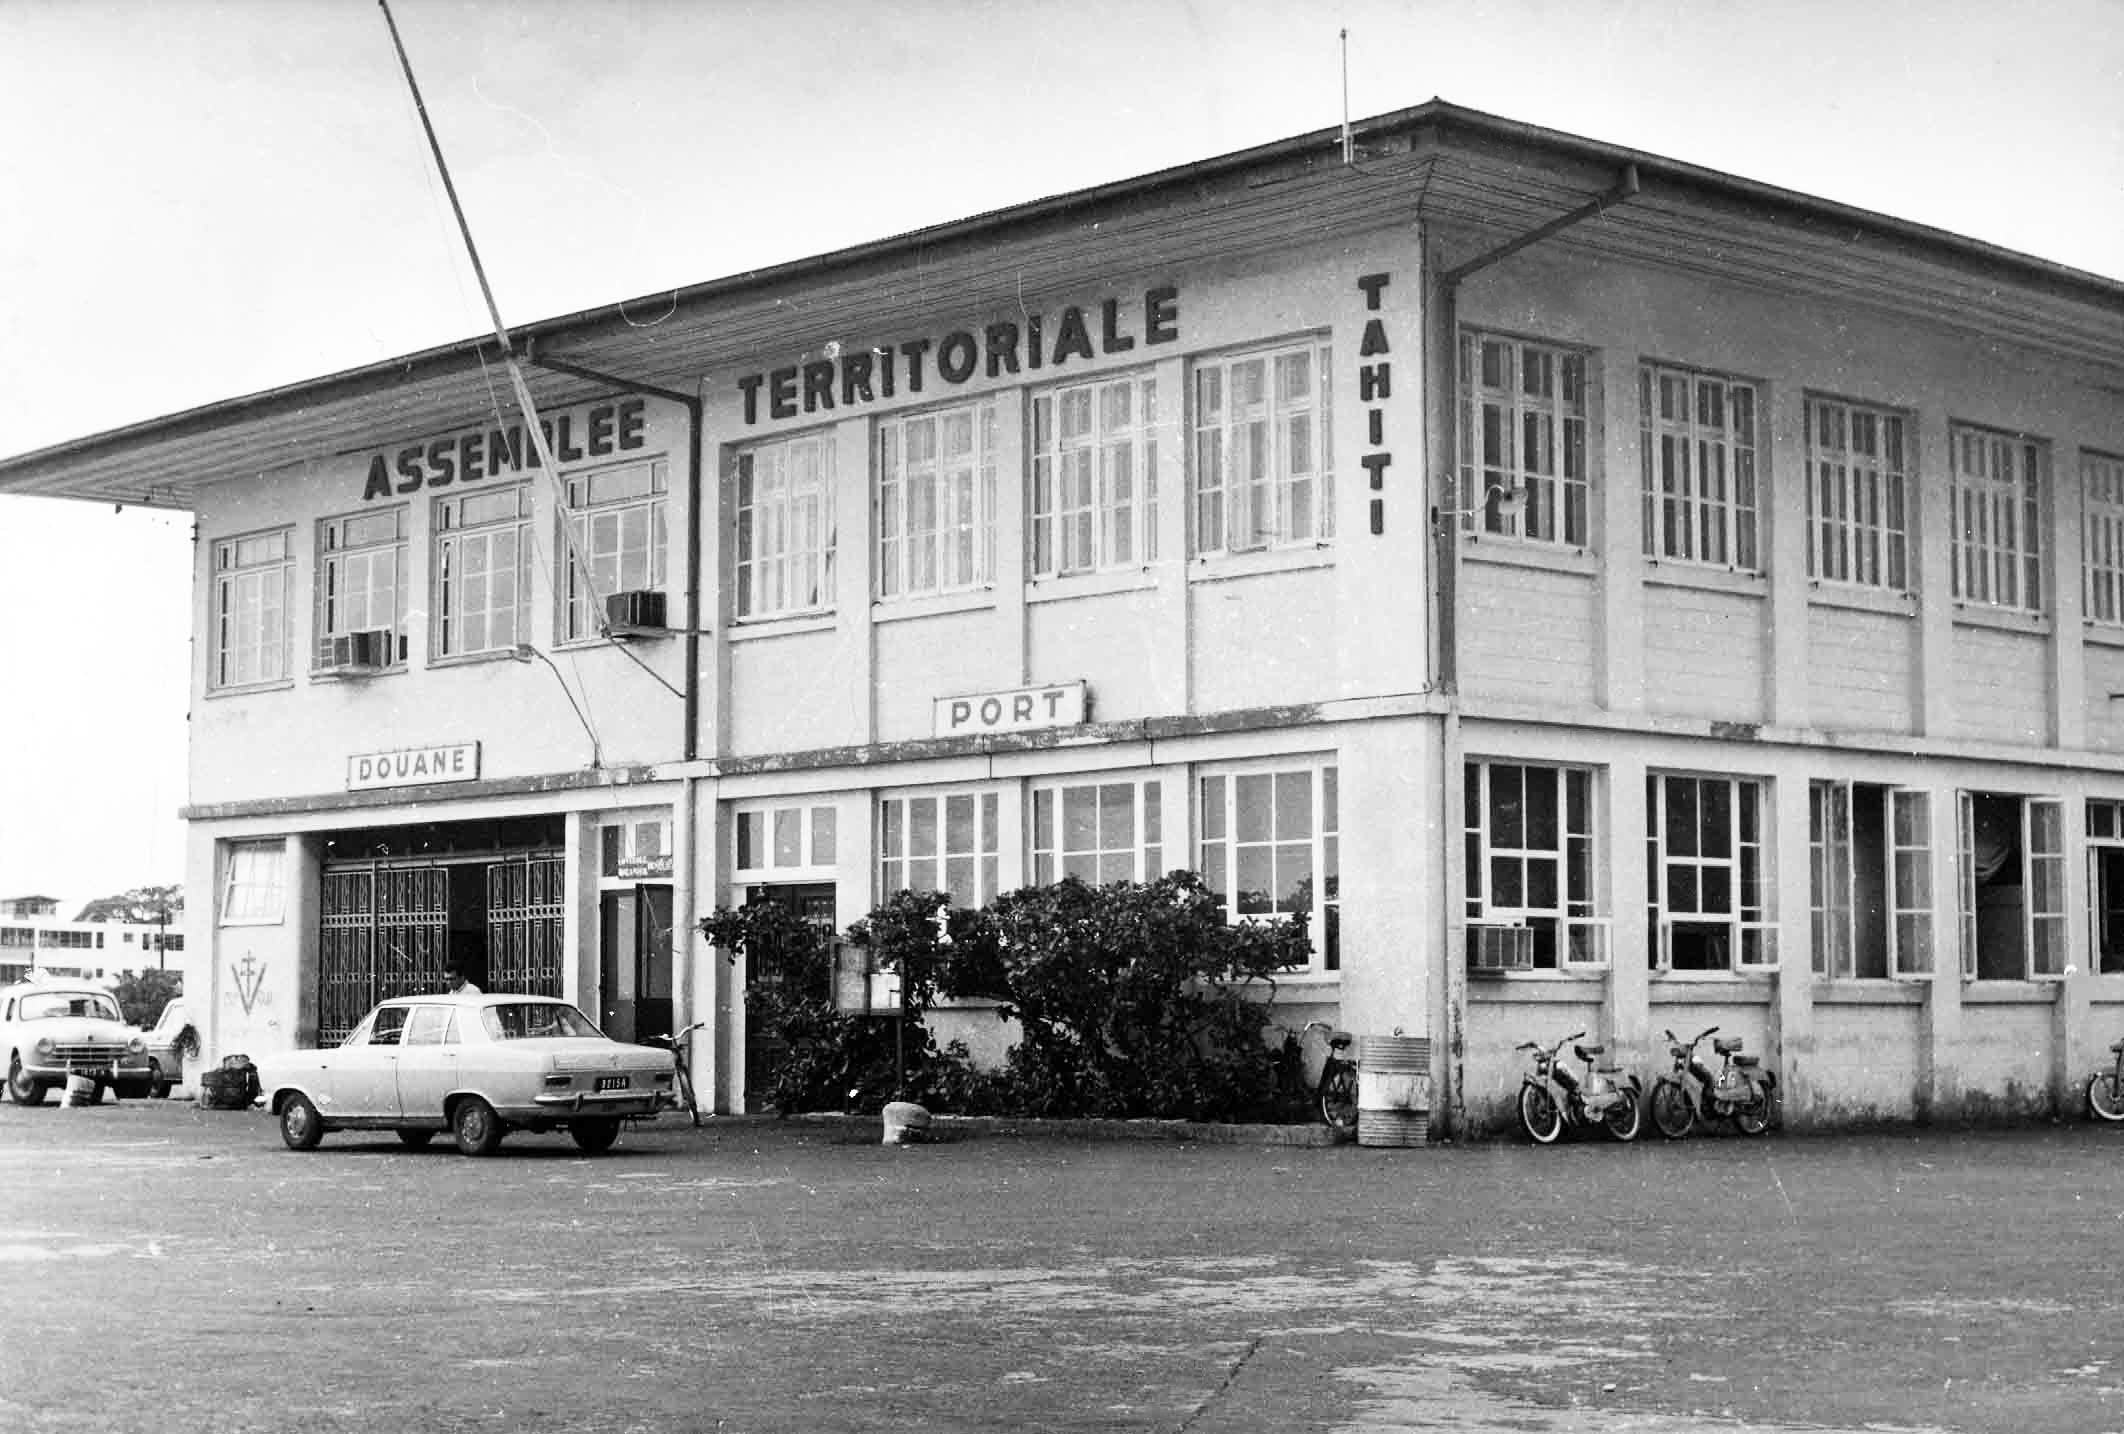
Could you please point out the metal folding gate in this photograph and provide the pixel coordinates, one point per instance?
(526, 900)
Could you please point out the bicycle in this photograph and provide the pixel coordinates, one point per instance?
(1336, 1093)
(2105, 1089)
(681, 1068)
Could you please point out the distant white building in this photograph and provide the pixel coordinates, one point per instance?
(33, 940)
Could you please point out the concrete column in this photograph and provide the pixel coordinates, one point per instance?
(1007, 580)
(1782, 481)
(1933, 499)
(855, 553)
(1939, 1078)
(1792, 1000)
(1628, 1010)
(1619, 650)
(1167, 631)
(2062, 568)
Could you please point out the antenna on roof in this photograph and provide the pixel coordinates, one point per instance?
(1348, 147)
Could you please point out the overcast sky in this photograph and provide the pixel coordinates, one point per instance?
(199, 201)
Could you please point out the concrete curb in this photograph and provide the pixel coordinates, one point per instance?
(946, 1128)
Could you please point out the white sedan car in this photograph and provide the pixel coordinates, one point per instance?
(477, 1066)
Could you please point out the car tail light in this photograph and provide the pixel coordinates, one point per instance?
(559, 1082)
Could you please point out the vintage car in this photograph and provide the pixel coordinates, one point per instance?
(170, 1043)
(50, 1030)
(477, 1066)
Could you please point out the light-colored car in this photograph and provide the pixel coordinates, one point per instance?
(476, 1066)
(50, 1030)
(170, 1043)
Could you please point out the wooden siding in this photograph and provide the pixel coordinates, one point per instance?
(1527, 634)
(1114, 642)
(2001, 685)
(1861, 669)
(1704, 653)
(1266, 640)
(788, 694)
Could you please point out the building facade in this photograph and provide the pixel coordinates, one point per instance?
(1598, 593)
(36, 941)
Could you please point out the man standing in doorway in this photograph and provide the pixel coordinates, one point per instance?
(456, 983)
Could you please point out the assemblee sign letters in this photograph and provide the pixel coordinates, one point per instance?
(607, 429)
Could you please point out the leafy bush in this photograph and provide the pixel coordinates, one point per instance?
(142, 995)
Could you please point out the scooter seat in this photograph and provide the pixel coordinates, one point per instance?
(1586, 1053)
(1747, 1062)
(1727, 1045)
(2118, 1048)
(1337, 1040)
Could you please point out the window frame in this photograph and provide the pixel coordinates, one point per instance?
(2102, 536)
(1750, 944)
(232, 574)
(984, 854)
(1909, 928)
(1730, 518)
(1070, 514)
(1988, 570)
(802, 528)
(1558, 498)
(336, 555)
(2036, 814)
(581, 619)
(1576, 933)
(1322, 772)
(1047, 814)
(960, 541)
(1859, 524)
(451, 536)
(268, 876)
(817, 840)
(1215, 487)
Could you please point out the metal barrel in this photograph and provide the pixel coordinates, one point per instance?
(1394, 1091)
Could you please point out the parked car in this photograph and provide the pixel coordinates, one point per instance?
(170, 1043)
(476, 1066)
(50, 1030)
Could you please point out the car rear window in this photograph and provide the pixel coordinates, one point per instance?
(536, 1021)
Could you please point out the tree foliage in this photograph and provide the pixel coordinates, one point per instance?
(145, 905)
(142, 995)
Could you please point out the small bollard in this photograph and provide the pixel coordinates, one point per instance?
(905, 1123)
(81, 1091)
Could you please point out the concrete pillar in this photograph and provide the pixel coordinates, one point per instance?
(1784, 547)
(1939, 1076)
(1627, 1012)
(1933, 496)
(1619, 652)
(1792, 997)
(2062, 569)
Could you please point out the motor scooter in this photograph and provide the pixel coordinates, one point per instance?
(2105, 1088)
(1740, 1091)
(1552, 1099)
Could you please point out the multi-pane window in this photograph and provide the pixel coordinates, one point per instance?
(783, 506)
(361, 580)
(482, 572)
(1530, 864)
(1095, 476)
(252, 576)
(1858, 495)
(1998, 527)
(939, 842)
(617, 522)
(1264, 463)
(254, 889)
(1269, 846)
(1523, 445)
(786, 838)
(1698, 455)
(2105, 861)
(2012, 869)
(1870, 880)
(1099, 832)
(936, 513)
(1707, 893)
(2102, 489)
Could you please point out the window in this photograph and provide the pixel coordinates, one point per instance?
(1095, 477)
(253, 891)
(482, 572)
(2105, 860)
(785, 526)
(431, 1026)
(1858, 476)
(1998, 525)
(1529, 834)
(1269, 847)
(617, 517)
(787, 838)
(1523, 448)
(1697, 450)
(937, 501)
(1870, 875)
(944, 842)
(1264, 463)
(1099, 832)
(2102, 489)
(1704, 871)
(252, 576)
(2013, 887)
(361, 580)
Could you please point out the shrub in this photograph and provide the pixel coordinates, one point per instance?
(142, 995)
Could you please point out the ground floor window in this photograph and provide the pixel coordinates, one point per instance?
(943, 841)
(1530, 863)
(1270, 846)
(1708, 897)
(2105, 884)
(2012, 866)
(1870, 880)
(1097, 831)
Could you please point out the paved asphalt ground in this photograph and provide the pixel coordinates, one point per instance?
(169, 1268)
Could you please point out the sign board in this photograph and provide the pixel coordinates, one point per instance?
(1018, 709)
(635, 867)
(413, 767)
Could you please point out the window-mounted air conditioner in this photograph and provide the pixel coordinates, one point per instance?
(636, 613)
(1499, 947)
(356, 653)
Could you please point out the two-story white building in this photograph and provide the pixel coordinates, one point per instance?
(1597, 591)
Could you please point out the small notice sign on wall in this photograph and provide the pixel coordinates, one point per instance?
(1019, 709)
(413, 767)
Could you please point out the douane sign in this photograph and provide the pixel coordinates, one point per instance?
(415, 766)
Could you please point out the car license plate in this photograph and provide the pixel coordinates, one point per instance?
(613, 1082)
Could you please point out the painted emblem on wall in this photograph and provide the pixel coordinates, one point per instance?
(248, 976)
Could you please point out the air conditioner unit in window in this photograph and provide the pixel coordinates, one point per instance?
(356, 653)
(636, 613)
(1500, 948)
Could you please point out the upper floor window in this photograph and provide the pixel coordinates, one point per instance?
(937, 501)
(1269, 845)
(252, 577)
(1707, 895)
(1530, 865)
(1858, 495)
(1099, 832)
(1869, 854)
(361, 580)
(783, 506)
(939, 841)
(1698, 454)
(618, 522)
(2012, 870)
(1998, 522)
(2102, 490)
(482, 572)
(1523, 440)
(1095, 476)
(1264, 461)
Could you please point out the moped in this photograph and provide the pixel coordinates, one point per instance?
(1740, 1091)
(2105, 1089)
(1551, 1098)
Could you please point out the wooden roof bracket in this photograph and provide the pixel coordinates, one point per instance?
(1626, 187)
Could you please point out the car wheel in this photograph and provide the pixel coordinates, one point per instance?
(21, 1089)
(300, 1124)
(594, 1137)
(415, 1139)
(478, 1128)
(158, 1083)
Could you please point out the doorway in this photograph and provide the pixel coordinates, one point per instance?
(813, 903)
(635, 961)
